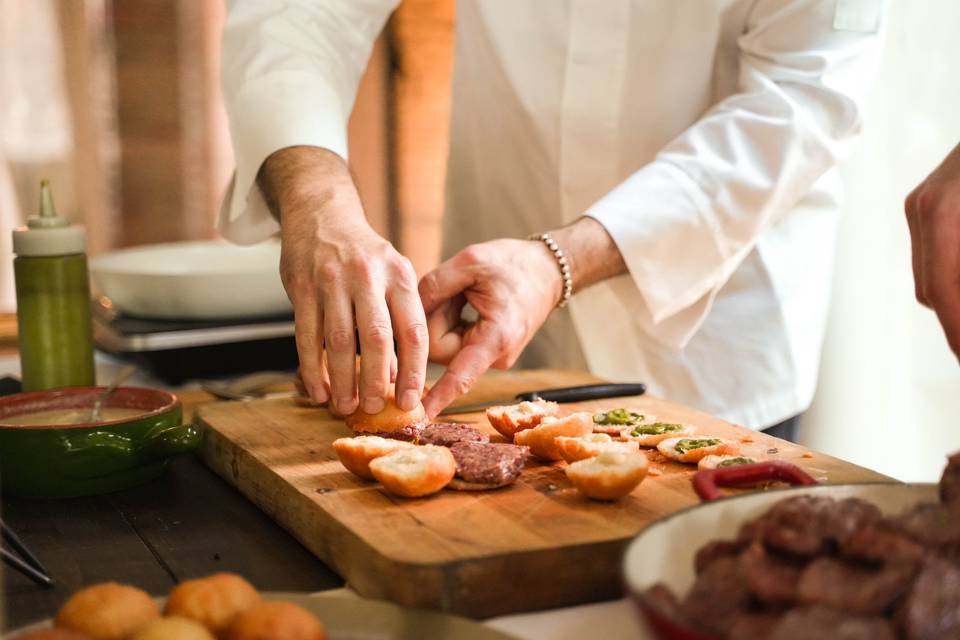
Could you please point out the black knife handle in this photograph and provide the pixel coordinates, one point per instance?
(585, 392)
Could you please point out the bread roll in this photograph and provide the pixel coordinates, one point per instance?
(107, 611)
(511, 418)
(577, 448)
(695, 449)
(608, 476)
(391, 422)
(357, 452)
(542, 438)
(415, 471)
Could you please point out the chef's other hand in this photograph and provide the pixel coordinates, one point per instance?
(340, 275)
(512, 284)
(933, 214)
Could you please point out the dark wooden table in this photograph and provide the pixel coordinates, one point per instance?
(188, 523)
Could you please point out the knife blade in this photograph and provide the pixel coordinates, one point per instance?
(563, 394)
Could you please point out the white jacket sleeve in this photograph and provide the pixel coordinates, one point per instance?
(685, 221)
(290, 72)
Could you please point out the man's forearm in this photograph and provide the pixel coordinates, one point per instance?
(591, 252)
(295, 176)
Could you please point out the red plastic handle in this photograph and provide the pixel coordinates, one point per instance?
(707, 483)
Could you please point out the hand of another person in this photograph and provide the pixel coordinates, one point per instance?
(340, 275)
(512, 284)
(933, 214)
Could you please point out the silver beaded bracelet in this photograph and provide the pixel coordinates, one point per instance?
(548, 240)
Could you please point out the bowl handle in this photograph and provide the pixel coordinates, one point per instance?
(170, 441)
(707, 483)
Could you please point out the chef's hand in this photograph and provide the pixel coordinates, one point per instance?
(339, 274)
(512, 284)
(933, 214)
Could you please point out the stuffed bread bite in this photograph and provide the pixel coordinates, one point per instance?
(694, 449)
(616, 420)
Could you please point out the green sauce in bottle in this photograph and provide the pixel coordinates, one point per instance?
(53, 301)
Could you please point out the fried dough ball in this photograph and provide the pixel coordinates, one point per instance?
(53, 634)
(213, 601)
(275, 621)
(107, 611)
(175, 628)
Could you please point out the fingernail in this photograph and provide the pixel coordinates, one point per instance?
(319, 394)
(372, 405)
(346, 405)
(409, 400)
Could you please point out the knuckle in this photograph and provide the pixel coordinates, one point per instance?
(462, 382)
(429, 288)
(307, 341)
(472, 253)
(339, 340)
(934, 296)
(328, 271)
(416, 335)
(376, 387)
(361, 265)
(412, 380)
(910, 203)
(508, 360)
(927, 200)
(403, 268)
(378, 335)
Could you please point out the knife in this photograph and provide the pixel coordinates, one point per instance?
(565, 394)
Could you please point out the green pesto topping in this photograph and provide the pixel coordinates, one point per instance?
(689, 444)
(656, 429)
(618, 416)
(731, 462)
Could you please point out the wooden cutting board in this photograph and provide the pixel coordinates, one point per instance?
(534, 545)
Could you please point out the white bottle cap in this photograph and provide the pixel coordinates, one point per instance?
(48, 234)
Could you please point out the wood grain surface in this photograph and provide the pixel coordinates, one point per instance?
(534, 545)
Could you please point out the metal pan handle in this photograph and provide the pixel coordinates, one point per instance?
(707, 483)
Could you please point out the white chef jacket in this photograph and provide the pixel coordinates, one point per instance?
(703, 135)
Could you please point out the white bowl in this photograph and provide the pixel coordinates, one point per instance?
(664, 551)
(193, 280)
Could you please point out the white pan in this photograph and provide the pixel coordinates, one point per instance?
(664, 551)
(193, 280)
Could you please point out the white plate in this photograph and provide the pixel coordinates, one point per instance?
(193, 280)
(348, 618)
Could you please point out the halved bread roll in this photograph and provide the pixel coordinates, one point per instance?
(616, 420)
(652, 434)
(542, 438)
(608, 476)
(719, 462)
(356, 453)
(413, 472)
(391, 422)
(695, 449)
(511, 418)
(580, 447)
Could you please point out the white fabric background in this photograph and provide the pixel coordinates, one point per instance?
(889, 389)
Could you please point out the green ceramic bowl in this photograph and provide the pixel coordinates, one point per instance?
(64, 461)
